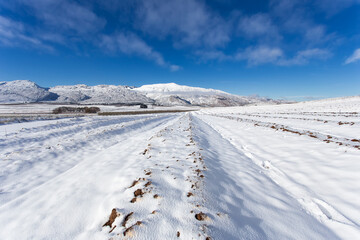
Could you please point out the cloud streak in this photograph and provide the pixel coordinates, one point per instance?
(131, 44)
(13, 34)
(262, 54)
(354, 57)
(303, 57)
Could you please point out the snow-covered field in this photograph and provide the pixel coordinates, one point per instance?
(256, 172)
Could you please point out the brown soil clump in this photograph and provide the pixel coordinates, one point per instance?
(138, 192)
(114, 214)
(134, 183)
(156, 196)
(190, 194)
(178, 234)
(148, 184)
(201, 216)
(129, 232)
(127, 217)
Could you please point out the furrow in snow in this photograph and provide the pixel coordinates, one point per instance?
(300, 182)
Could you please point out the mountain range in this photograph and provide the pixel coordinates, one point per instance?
(168, 94)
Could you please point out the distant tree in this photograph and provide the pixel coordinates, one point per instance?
(76, 110)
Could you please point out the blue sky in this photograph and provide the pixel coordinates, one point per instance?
(293, 49)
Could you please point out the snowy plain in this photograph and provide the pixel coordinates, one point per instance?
(286, 171)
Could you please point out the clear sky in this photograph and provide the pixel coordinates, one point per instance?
(293, 49)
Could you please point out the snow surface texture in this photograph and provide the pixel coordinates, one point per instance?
(218, 173)
(171, 94)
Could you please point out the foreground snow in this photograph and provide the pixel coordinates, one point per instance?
(255, 172)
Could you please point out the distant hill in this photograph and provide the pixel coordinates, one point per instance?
(101, 94)
(171, 94)
(21, 91)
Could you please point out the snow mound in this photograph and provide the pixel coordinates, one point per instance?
(101, 94)
(24, 91)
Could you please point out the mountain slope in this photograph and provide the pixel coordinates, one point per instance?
(20, 91)
(171, 94)
(100, 94)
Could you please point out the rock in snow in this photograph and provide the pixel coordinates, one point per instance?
(169, 94)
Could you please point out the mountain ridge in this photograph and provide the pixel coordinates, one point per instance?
(163, 94)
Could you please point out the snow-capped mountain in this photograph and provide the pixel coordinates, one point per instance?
(101, 94)
(171, 94)
(24, 91)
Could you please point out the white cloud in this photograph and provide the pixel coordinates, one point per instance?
(260, 55)
(64, 15)
(175, 68)
(188, 22)
(332, 7)
(294, 17)
(303, 57)
(354, 57)
(259, 26)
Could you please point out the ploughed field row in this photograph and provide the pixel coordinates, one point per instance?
(171, 188)
(329, 131)
(339, 119)
(52, 147)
